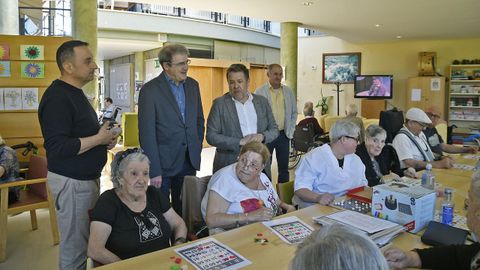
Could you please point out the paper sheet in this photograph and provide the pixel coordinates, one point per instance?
(416, 94)
(363, 222)
(290, 229)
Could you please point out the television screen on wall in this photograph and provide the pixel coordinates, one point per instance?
(373, 86)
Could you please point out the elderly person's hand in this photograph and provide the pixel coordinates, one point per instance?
(326, 199)
(261, 214)
(156, 181)
(410, 172)
(445, 163)
(470, 149)
(398, 259)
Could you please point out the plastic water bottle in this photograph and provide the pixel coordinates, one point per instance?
(428, 179)
(447, 207)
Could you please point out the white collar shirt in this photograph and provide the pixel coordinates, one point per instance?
(247, 116)
(406, 149)
(320, 172)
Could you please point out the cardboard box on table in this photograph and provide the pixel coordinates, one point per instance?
(407, 204)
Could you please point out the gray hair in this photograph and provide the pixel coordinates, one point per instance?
(342, 128)
(168, 51)
(120, 163)
(352, 109)
(308, 108)
(475, 185)
(374, 130)
(338, 247)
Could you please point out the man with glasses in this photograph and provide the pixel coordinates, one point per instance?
(436, 141)
(76, 147)
(171, 123)
(331, 169)
(411, 143)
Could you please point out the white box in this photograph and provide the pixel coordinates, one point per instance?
(408, 204)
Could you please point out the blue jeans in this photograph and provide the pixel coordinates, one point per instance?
(282, 148)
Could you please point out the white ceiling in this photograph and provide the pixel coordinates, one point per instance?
(355, 20)
(113, 48)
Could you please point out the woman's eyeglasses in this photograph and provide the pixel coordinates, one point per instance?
(243, 162)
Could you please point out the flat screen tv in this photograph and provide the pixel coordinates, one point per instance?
(373, 86)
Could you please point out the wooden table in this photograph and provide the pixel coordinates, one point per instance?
(275, 255)
(457, 172)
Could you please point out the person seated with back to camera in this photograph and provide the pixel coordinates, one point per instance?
(380, 159)
(9, 170)
(331, 169)
(338, 247)
(241, 193)
(459, 257)
(310, 120)
(351, 115)
(133, 218)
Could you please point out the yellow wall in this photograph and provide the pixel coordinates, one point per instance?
(398, 58)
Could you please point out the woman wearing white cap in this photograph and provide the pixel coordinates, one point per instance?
(412, 146)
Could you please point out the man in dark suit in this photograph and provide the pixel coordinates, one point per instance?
(237, 118)
(171, 123)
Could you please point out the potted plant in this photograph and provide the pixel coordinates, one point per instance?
(322, 103)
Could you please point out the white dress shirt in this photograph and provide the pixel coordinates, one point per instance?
(247, 116)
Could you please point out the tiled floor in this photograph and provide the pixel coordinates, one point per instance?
(27, 249)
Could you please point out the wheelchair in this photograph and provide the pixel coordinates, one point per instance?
(303, 141)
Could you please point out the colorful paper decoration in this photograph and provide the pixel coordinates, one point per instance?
(32, 70)
(5, 69)
(13, 98)
(4, 51)
(31, 52)
(29, 98)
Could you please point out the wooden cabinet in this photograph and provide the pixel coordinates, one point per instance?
(464, 101)
(425, 92)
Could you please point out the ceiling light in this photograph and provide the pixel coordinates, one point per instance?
(309, 3)
(399, 37)
(378, 25)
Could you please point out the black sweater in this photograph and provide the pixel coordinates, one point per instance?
(66, 116)
(448, 257)
(387, 160)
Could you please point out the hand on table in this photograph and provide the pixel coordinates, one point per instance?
(326, 199)
(410, 172)
(398, 259)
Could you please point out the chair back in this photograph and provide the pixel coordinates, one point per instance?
(37, 168)
(442, 130)
(368, 122)
(285, 191)
(329, 121)
(192, 194)
(321, 121)
(392, 122)
(303, 138)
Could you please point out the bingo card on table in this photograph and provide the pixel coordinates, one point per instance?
(210, 254)
(290, 229)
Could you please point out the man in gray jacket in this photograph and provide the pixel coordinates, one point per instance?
(237, 118)
(284, 108)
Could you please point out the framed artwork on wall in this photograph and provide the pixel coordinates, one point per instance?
(340, 67)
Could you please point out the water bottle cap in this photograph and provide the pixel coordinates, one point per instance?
(429, 166)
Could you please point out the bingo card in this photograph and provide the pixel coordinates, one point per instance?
(210, 254)
(290, 229)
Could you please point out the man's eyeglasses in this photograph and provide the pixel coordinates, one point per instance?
(424, 126)
(243, 162)
(181, 64)
(127, 152)
(353, 138)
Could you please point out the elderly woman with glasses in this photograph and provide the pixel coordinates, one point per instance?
(380, 159)
(133, 218)
(446, 257)
(240, 193)
(330, 170)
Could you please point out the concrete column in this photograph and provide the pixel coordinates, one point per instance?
(9, 17)
(289, 52)
(84, 27)
(139, 66)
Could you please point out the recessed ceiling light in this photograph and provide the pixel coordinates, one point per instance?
(309, 3)
(399, 37)
(378, 25)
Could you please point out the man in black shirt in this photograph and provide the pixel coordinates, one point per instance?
(436, 142)
(76, 149)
